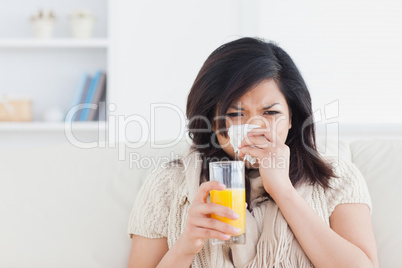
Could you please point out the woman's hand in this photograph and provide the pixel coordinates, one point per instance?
(200, 226)
(273, 157)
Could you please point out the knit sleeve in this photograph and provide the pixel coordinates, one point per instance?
(349, 186)
(152, 205)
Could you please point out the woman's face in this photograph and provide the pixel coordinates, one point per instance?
(265, 106)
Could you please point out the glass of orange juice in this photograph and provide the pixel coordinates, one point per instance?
(230, 173)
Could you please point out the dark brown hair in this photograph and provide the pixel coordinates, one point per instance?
(227, 74)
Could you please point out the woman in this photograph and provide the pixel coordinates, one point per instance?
(303, 210)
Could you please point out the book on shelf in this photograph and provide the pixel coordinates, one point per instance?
(79, 90)
(80, 93)
(98, 96)
(90, 93)
(101, 113)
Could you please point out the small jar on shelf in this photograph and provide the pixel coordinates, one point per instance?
(43, 23)
(82, 23)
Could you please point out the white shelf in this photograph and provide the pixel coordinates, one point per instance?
(53, 43)
(52, 126)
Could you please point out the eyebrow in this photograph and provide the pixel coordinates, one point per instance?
(265, 108)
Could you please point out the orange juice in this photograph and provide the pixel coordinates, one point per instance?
(234, 199)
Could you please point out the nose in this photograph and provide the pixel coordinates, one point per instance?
(259, 121)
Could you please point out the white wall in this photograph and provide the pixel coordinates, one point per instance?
(347, 52)
(158, 48)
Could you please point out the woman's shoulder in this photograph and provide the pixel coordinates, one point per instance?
(344, 169)
(348, 185)
(171, 173)
(153, 202)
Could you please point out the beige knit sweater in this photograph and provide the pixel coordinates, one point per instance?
(161, 206)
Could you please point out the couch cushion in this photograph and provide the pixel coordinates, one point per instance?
(333, 147)
(63, 206)
(380, 163)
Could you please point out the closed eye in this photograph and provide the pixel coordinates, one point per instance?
(271, 112)
(234, 114)
(265, 113)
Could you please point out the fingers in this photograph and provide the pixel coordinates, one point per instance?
(264, 132)
(202, 226)
(249, 150)
(211, 208)
(199, 218)
(217, 225)
(205, 188)
(261, 138)
(257, 141)
(204, 234)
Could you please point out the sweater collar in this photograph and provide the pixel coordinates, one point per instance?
(192, 164)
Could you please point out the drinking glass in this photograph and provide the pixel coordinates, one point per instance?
(230, 173)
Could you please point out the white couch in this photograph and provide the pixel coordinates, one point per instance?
(63, 206)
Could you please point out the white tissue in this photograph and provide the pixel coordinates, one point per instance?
(236, 134)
